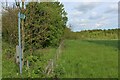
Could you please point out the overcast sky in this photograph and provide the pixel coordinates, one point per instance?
(91, 14)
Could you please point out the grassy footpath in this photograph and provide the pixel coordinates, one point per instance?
(89, 59)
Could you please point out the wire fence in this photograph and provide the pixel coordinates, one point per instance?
(52, 62)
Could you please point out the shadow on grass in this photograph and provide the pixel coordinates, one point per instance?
(112, 43)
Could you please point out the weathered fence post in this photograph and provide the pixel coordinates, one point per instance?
(27, 63)
(17, 54)
(52, 65)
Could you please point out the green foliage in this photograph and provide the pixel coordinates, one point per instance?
(9, 68)
(9, 25)
(59, 70)
(44, 24)
(37, 61)
(36, 68)
(93, 34)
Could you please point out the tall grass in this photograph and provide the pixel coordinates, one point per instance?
(89, 59)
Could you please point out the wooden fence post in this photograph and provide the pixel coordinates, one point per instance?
(17, 54)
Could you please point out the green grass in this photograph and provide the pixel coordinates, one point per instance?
(79, 59)
(89, 59)
(11, 70)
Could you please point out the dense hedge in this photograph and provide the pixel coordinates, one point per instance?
(9, 26)
(44, 25)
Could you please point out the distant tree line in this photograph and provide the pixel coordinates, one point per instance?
(93, 34)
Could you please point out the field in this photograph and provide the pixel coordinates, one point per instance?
(89, 59)
(78, 59)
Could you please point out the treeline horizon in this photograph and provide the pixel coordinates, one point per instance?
(95, 30)
(93, 34)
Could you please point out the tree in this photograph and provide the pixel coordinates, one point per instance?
(44, 25)
(9, 25)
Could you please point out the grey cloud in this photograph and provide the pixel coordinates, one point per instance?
(95, 17)
(85, 7)
(107, 13)
(112, 9)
